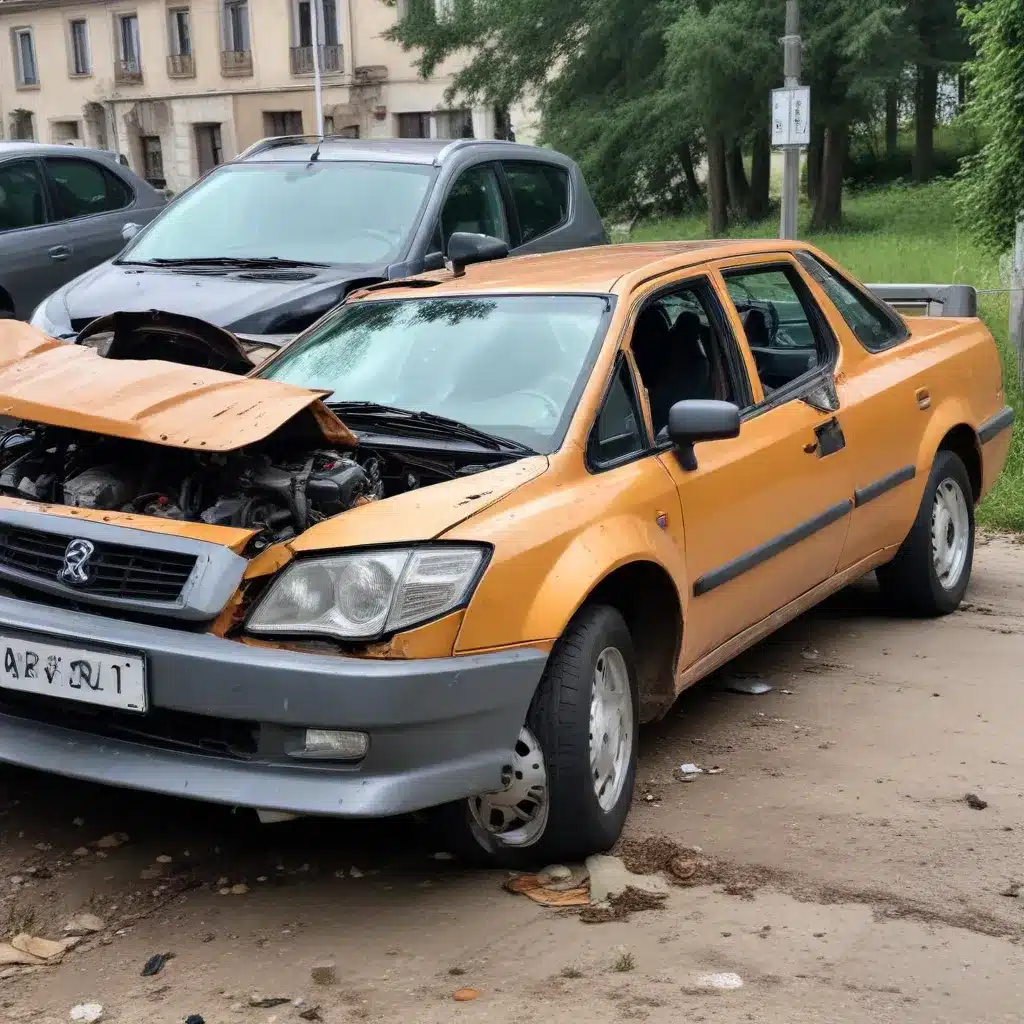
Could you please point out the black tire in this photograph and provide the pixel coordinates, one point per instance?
(910, 582)
(559, 718)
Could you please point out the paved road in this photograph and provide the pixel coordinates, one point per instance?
(872, 890)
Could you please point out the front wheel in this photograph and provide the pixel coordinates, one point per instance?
(932, 568)
(569, 785)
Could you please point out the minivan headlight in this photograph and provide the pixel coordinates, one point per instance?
(365, 594)
(51, 317)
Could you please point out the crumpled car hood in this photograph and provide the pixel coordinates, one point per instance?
(163, 403)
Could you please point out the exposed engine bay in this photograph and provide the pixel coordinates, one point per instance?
(274, 488)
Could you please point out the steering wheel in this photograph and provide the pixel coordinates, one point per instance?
(552, 405)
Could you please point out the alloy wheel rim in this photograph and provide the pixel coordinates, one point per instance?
(951, 533)
(611, 727)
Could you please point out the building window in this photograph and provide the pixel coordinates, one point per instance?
(153, 161)
(21, 125)
(209, 152)
(129, 50)
(414, 126)
(236, 26)
(81, 58)
(25, 58)
(65, 132)
(454, 124)
(180, 32)
(282, 122)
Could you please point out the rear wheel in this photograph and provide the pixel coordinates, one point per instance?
(931, 570)
(569, 785)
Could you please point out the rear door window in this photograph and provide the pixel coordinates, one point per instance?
(82, 188)
(22, 196)
(475, 204)
(541, 196)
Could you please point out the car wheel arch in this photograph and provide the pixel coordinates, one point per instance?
(963, 441)
(949, 427)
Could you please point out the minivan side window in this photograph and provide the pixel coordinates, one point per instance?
(83, 188)
(541, 196)
(875, 328)
(22, 196)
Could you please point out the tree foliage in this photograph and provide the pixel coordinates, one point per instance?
(990, 192)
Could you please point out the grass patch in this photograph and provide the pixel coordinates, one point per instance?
(904, 233)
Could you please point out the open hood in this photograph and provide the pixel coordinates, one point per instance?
(164, 403)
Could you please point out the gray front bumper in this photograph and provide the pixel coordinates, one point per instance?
(440, 729)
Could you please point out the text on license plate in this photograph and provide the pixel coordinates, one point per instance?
(110, 679)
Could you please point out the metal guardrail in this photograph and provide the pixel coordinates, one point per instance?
(955, 300)
(330, 59)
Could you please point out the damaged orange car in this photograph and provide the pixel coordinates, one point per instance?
(452, 545)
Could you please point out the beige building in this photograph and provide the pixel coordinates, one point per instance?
(178, 86)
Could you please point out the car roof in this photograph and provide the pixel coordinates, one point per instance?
(427, 152)
(17, 147)
(601, 269)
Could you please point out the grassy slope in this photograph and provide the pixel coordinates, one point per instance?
(908, 234)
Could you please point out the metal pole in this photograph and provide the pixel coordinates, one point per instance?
(1017, 298)
(316, 10)
(791, 168)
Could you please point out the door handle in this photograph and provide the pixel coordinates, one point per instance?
(60, 252)
(829, 439)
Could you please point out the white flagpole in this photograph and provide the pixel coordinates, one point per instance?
(317, 87)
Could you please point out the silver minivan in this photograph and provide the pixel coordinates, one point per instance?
(63, 210)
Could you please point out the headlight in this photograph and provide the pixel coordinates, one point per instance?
(52, 318)
(365, 594)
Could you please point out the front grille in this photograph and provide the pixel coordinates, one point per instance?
(115, 570)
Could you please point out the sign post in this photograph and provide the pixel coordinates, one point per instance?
(791, 120)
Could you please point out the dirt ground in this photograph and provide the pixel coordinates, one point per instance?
(854, 883)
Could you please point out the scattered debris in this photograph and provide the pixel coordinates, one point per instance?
(239, 890)
(111, 842)
(691, 769)
(456, 972)
(975, 802)
(84, 924)
(441, 855)
(531, 886)
(44, 949)
(78, 822)
(465, 995)
(1013, 890)
(155, 964)
(355, 872)
(87, 1013)
(747, 684)
(310, 1013)
(621, 905)
(11, 957)
(324, 972)
(571, 972)
(194, 1018)
(610, 875)
(164, 859)
(810, 654)
(725, 980)
(267, 1002)
(558, 878)
(713, 770)
(788, 693)
(625, 962)
(151, 874)
(81, 851)
(683, 867)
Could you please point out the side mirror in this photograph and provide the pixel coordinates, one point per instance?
(700, 420)
(433, 261)
(465, 248)
(129, 231)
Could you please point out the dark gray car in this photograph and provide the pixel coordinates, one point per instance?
(63, 210)
(268, 243)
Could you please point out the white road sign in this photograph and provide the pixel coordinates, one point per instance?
(791, 116)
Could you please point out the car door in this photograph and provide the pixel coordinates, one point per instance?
(94, 204)
(887, 489)
(33, 255)
(474, 203)
(765, 514)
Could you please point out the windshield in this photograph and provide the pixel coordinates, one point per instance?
(325, 212)
(511, 366)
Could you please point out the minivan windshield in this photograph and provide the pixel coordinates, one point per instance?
(511, 366)
(322, 212)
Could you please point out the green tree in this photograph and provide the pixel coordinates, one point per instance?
(990, 190)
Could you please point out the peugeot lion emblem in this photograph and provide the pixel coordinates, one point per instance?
(76, 561)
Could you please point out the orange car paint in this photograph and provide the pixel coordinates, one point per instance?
(558, 530)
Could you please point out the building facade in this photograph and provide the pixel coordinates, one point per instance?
(178, 86)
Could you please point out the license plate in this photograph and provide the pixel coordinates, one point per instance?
(113, 679)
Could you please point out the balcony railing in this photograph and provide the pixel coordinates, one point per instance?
(330, 59)
(181, 65)
(127, 72)
(236, 63)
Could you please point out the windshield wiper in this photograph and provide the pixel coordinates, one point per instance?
(432, 421)
(223, 261)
